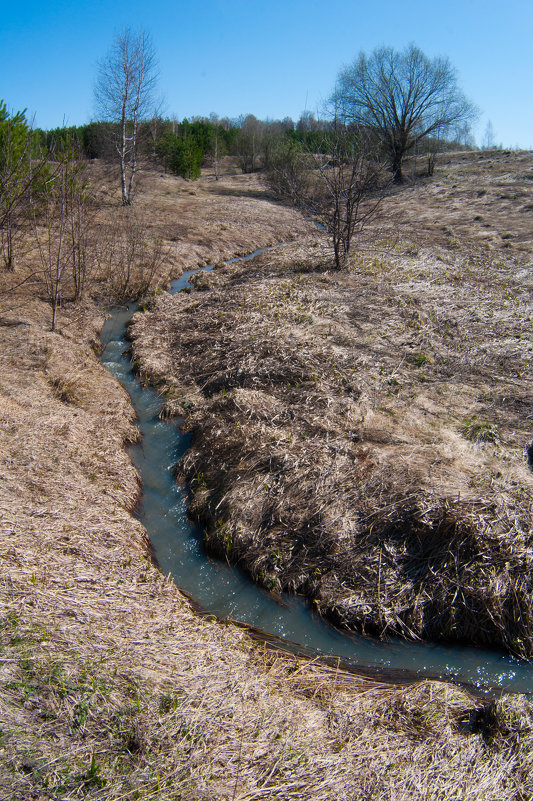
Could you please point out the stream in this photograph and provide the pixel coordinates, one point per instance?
(223, 590)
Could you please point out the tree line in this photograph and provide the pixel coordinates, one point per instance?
(385, 106)
(402, 101)
(184, 147)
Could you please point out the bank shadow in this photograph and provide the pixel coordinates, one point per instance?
(255, 194)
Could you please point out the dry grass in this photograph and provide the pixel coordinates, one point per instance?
(480, 199)
(211, 221)
(145, 719)
(361, 438)
(112, 688)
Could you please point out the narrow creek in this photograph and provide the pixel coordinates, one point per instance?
(224, 591)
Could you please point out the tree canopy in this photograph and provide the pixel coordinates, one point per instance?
(403, 97)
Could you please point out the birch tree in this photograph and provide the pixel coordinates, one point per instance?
(124, 94)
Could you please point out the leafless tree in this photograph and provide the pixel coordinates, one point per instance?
(14, 185)
(489, 138)
(124, 94)
(307, 122)
(213, 119)
(21, 167)
(60, 225)
(402, 97)
(50, 221)
(249, 141)
(80, 222)
(128, 258)
(335, 184)
(215, 153)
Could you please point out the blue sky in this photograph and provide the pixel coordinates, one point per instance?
(272, 59)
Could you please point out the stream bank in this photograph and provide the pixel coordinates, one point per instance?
(225, 592)
(110, 686)
(328, 461)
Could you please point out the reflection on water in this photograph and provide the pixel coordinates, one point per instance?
(224, 591)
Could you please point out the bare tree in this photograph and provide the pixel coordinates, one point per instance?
(50, 224)
(336, 184)
(307, 122)
(124, 94)
(215, 152)
(248, 143)
(213, 119)
(61, 228)
(465, 136)
(80, 218)
(489, 138)
(402, 97)
(129, 259)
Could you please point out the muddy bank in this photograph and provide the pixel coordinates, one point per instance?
(361, 438)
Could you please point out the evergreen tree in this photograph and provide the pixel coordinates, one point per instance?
(15, 178)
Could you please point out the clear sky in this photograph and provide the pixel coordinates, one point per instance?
(272, 58)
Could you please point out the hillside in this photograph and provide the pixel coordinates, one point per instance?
(112, 687)
(361, 437)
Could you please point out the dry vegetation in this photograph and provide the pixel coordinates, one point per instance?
(479, 199)
(111, 687)
(361, 437)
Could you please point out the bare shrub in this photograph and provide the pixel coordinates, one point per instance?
(334, 184)
(61, 228)
(128, 258)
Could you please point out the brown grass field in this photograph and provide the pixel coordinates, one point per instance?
(377, 421)
(361, 437)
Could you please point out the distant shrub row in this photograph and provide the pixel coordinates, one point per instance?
(183, 147)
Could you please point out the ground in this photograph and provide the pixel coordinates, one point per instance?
(111, 686)
(361, 436)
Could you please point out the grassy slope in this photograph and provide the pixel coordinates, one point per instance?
(110, 686)
(361, 437)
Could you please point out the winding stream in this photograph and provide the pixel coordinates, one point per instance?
(225, 592)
